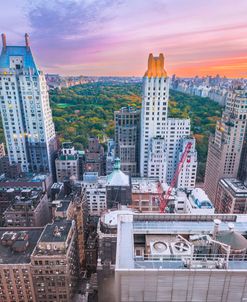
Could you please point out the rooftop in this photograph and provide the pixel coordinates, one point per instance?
(7, 254)
(111, 217)
(62, 205)
(23, 51)
(200, 199)
(67, 145)
(27, 199)
(27, 180)
(67, 157)
(144, 185)
(238, 187)
(117, 177)
(191, 243)
(90, 176)
(56, 232)
(128, 109)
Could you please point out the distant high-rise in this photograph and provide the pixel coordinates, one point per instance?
(225, 148)
(162, 137)
(25, 109)
(127, 139)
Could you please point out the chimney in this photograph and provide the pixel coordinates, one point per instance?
(217, 223)
(27, 40)
(4, 41)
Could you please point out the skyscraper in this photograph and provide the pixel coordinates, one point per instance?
(242, 172)
(25, 109)
(162, 137)
(154, 117)
(225, 148)
(127, 139)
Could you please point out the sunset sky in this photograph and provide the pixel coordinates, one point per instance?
(114, 37)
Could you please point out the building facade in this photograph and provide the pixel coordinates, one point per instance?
(2, 150)
(225, 148)
(25, 109)
(67, 163)
(242, 172)
(154, 110)
(187, 175)
(127, 139)
(94, 157)
(95, 192)
(16, 246)
(55, 263)
(231, 196)
(161, 137)
(28, 209)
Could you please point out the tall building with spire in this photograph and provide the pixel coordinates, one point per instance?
(226, 147)
(162, 137)
(25, 109)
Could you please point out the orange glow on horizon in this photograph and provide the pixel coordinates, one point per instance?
(229, 67)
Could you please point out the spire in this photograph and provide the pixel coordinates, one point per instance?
(156, 66)
(27, 40)
(4, 41)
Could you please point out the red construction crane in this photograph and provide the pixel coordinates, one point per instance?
(164, 200)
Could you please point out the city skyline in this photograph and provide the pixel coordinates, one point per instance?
(102, 37)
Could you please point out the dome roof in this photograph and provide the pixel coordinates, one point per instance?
(232, 238)
(117, 177)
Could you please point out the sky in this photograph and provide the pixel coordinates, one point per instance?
(114, 37)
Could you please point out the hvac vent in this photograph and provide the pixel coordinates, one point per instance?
(159, 248)
(181, 248)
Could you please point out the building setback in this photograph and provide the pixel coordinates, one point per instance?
(25, 109)
(127, 139)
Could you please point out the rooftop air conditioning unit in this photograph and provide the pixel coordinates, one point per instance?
(181, 247)
(159, 248)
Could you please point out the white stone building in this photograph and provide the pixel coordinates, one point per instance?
(25, 109)
(187, 175)
(161, 137)
(95, 188)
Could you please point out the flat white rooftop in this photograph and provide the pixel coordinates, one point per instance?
(137, 224)
(144, 185)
